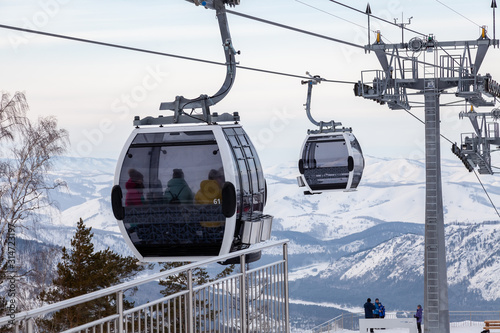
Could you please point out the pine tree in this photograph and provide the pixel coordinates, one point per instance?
(82, 271)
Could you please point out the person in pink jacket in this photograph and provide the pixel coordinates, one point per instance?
(135, 187)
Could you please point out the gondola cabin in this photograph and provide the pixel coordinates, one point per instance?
(330, 162)
(188, 192)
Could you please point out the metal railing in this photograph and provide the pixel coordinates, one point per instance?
(253, 300)
(350, 321)
(347, 321)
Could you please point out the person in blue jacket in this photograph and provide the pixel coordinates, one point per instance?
(380, 308)
(376, 312)
(419, 316)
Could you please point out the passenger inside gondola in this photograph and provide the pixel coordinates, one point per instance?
(210, 189)
(161, 215)
(178, 190)
(210, 193)
(135, 187)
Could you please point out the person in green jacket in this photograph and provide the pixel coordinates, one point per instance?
(178, 190)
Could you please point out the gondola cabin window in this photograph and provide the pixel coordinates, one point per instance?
(251, 193)
(171, 184)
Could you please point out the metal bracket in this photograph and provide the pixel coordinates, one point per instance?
(214, 118)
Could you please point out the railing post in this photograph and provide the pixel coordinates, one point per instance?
(190, 302)
(30, 325)
(119, 310)
(243, 299)
(285, 281)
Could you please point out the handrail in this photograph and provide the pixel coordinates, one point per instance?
(221, 280)
(264, 267)
(130, 284)
(153, 303)
(89, 325)
(326, 323)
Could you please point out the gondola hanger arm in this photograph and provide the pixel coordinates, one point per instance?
(204, 101)
(323, 126)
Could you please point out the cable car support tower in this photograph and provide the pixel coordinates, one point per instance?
(440, 70)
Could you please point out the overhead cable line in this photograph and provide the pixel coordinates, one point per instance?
(484, 189)
(456, 12)
(291, 75)
(336, 16)
(420, 120)
(108, 44)
(295, 29)
(90, 41)
(321, 36)
(378, 18)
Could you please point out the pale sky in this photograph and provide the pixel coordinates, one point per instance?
(95, 91)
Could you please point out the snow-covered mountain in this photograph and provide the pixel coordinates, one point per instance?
(344, 246)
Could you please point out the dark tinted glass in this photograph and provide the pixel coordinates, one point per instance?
(325, 161)
(172, 194)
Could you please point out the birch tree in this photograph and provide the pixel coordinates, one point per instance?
(27, 149)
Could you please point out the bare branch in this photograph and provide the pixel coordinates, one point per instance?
(12, 113)
(27, 151)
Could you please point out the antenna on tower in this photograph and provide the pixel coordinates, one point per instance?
(402, 26)
(494, 6)
(368, 13)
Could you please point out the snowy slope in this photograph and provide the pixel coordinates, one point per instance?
(391, 190)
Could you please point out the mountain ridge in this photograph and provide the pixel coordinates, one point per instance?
(344, 246)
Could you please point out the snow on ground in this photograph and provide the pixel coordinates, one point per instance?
(306, 271)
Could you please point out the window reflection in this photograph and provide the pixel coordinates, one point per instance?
(172, 195)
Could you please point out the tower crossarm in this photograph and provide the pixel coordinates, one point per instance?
(420, 44)
(389, 85)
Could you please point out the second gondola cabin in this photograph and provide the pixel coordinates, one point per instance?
(189, 192)
(331, 161)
